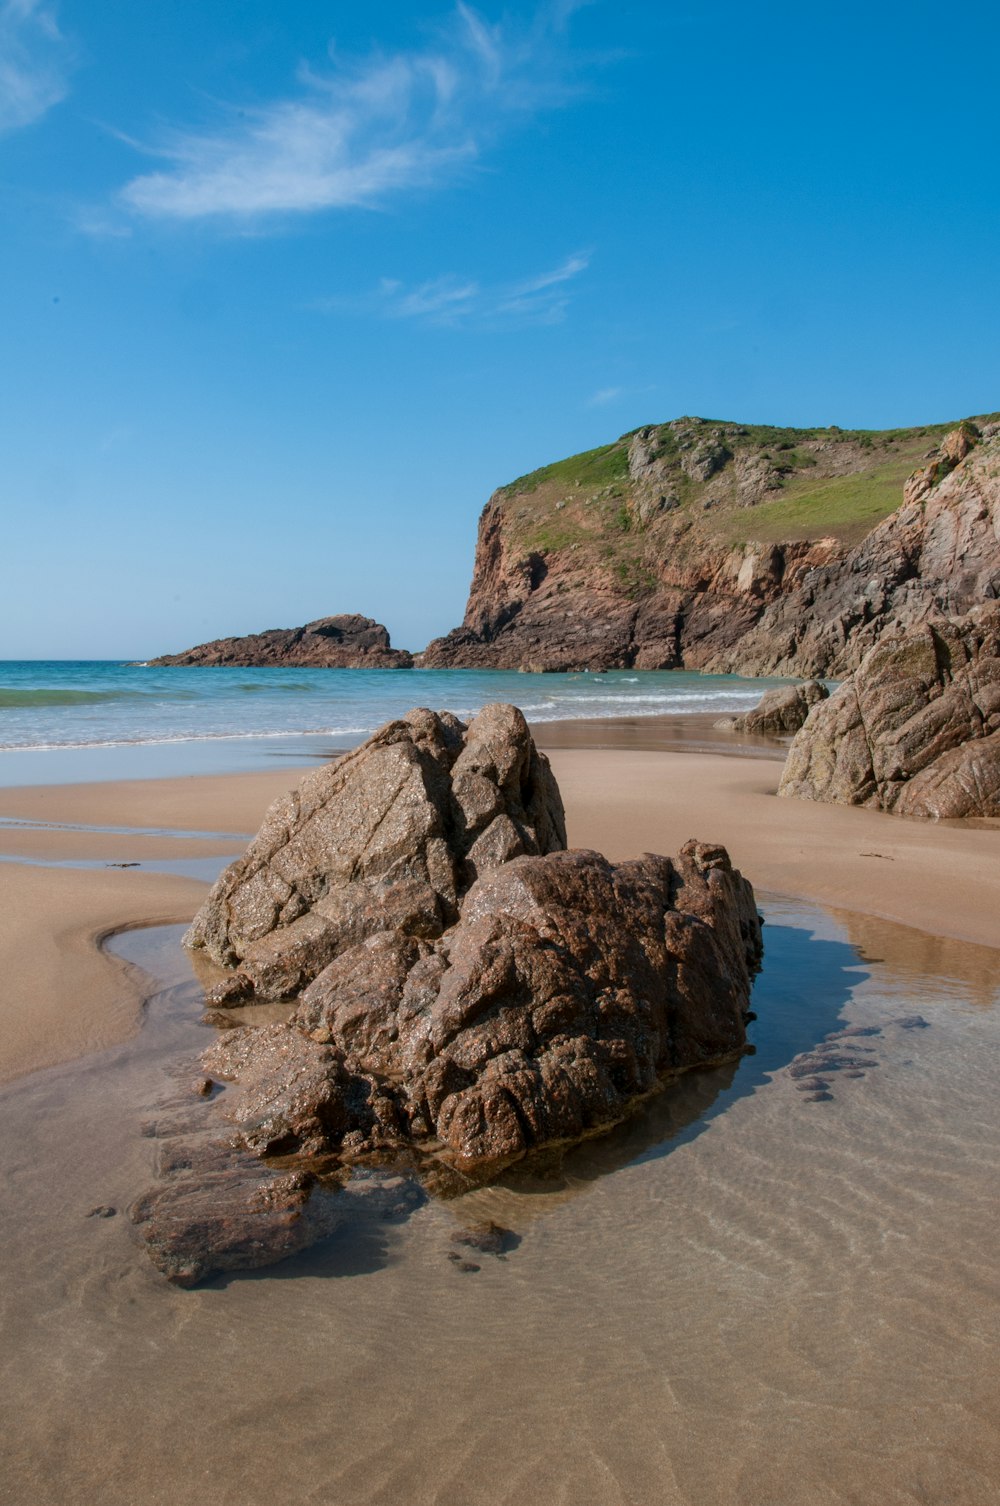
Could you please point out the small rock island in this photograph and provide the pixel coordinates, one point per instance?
(348, 641)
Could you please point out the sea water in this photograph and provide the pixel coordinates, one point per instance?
(92, 719)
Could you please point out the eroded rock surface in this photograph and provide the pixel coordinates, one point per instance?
(916, 729)
(387, 839)
(347, 641)
(779, 711)
(568, 987)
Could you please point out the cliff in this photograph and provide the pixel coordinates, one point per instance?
(732, 548)
(345, 642)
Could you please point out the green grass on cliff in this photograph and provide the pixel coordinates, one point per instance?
(810, 507)
(593, 468)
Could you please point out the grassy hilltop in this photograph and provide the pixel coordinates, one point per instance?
(701, 484)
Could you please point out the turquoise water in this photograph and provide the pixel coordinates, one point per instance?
(66, 720)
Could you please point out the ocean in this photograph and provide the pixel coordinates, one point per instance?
(62, 720)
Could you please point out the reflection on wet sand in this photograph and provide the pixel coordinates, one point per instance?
(957, 969)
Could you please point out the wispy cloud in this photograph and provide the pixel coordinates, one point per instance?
(362, 131)
(454, 301)
(603, 396)
(34, 62)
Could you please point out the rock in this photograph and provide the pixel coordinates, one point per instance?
(916, 728)
(910, 1022)
(477, 992)
(385, 840)
(344, 642)
(229, 1212)
(103, 1210)
(226, 1220)
(487, 1238)
(567, 989)
(782, 710)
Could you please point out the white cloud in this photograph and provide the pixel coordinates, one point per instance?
(34, 62)
(455, 301)
(569, 268)
(603, 396)
(364, 131)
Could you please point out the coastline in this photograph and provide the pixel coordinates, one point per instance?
(629, 785)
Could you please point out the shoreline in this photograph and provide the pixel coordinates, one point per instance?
(641, 788)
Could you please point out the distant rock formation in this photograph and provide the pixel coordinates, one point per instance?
(733, 549)
(344, 642)
(466, 988)
(778, 712)
(915, 729)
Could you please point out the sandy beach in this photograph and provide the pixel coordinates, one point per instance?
(635, 793)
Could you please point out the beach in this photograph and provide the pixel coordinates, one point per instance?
(635, 793)
(735, 1297)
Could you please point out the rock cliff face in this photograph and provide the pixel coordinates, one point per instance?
(345, 642)
(734, 549)
(915, 729)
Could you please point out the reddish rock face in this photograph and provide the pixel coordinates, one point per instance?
(681, 599)
(344, 642)
(916, 728)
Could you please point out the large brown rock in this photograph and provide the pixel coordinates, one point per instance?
(469, 992)
(568, 987)
(348, 641)
(916, 728)
(386, 839)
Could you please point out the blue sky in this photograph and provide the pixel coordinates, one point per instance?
(286, 290)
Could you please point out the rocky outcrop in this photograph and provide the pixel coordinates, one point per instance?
(916, 728)
(642, 572)
(780, 711)
(468, 991)
(344, 642)
(388, 838)
(568, 987)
